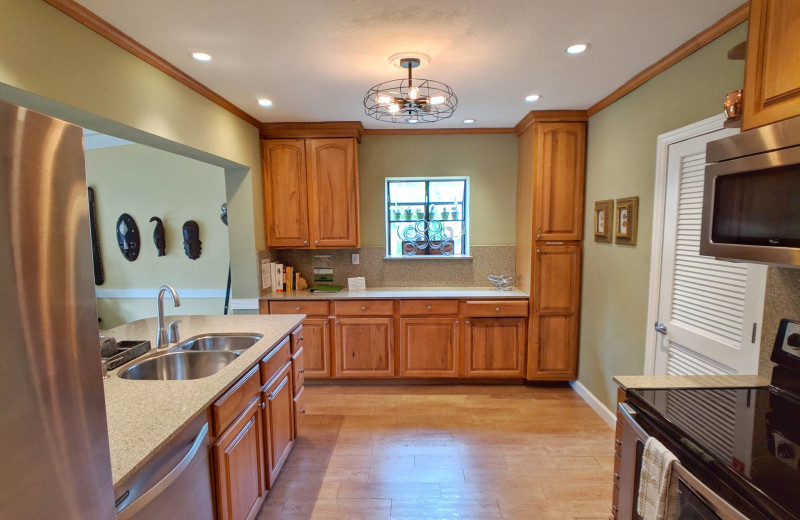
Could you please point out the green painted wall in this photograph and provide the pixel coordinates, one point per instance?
(490, 161)
(53, 64)
(146, 182)
(621, 156)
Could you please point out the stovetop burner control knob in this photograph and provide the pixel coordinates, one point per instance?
(793, 340)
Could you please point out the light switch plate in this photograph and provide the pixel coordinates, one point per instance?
(356, 258)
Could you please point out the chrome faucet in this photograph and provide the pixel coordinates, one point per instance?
(162, 340)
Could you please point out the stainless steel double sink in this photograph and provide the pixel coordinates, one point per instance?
(195, 358)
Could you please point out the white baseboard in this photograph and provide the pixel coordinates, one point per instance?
(600, 409)
(244, 304)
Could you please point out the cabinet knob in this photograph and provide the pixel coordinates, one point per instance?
(538, 228)
(316, 242)
(297, 309)
(301, 338)
(335, 322)
(456, 323)
(305, 242)
(467, 322)
(618, 442)
(538, 235)
(616, 476)
(264, 405)
(614, 508)
(303, 411)
(363, 308)
(302, 371)
(538, 252)
(497, 309)
(430, 308)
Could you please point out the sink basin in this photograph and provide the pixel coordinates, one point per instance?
(180, 365)
(216, 342)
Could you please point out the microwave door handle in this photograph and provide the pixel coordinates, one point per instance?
(713, 500)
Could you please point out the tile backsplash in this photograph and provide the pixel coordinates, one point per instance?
(403, 272)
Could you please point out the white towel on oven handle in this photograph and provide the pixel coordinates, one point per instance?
(658, 483)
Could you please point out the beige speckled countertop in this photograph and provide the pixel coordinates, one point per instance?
(650, 382)
(399, 293)
(144, 415)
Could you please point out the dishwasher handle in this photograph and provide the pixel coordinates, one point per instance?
(153, 492)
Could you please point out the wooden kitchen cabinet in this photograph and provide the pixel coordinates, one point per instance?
(559, 173)
(277, 396)
(285, 193)
(772, 70)
(495, 347)
(239, 466)
(430, 347)
(364, 347)
(311, 193)
(556, 299)
(316, 348)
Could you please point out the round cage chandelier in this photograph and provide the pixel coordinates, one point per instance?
(410, 100)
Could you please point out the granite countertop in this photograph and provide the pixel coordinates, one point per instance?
(399, 293)
(652, 382)
(144, 415)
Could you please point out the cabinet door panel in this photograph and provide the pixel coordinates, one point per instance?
(495, 347)
(299, 412)
(298, 370)
(555, 342)
(772, 69)
(429, 347)
(279, 430)
(285, 193)
(557, 278)
(333, 192)
(364, 347)
(559, 180)
(239, 461)
(316, 348)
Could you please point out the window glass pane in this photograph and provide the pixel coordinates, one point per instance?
(405, 192)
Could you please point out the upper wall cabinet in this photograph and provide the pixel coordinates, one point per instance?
(311, 193)
(772, 70)
(559, 162)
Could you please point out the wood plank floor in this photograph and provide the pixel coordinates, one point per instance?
(445, 452)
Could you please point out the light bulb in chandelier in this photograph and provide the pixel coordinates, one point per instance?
(436, 100)
(394, 108)
(413, 93)
(384, 99)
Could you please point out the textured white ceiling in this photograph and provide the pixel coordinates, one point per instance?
(316, 58)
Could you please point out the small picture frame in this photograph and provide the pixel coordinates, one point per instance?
(603, 220)
(627, 216)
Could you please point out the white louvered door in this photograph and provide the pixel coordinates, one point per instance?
(711, 309)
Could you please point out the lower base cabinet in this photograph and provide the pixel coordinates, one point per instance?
(239, 461)
(429, 347)
(317, 345)
(277, 396)
(364, 347)
(495, 347)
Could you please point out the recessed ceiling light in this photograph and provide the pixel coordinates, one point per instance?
(532, 98)
(413, 121)
(577, 48)
(469, 121)
(201, 56)
(264, 102)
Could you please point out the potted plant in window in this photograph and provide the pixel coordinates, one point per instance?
(419, 214)
(407, 214)
(395, 213)
(454, 212)
(444, 215)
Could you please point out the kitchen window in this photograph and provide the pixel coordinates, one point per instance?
(427, 217)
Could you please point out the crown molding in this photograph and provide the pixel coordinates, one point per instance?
(108, 31)
(723, 25)
(353, 129)
(549, 115)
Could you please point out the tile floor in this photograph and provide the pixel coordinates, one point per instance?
(446, 452)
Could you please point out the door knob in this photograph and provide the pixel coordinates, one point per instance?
(660, 328)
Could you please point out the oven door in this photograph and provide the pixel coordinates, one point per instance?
(696, 501)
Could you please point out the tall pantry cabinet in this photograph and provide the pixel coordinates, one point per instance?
(550, 203)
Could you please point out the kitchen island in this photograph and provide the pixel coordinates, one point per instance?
(144, 416)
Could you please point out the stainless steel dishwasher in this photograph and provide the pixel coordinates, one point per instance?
(175, 484)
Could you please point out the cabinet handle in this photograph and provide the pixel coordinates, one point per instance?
(301, 371)
(430, 308)
(363, 308)
(303, 411)
(616, 476)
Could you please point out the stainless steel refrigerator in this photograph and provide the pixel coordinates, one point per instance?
(54, 455)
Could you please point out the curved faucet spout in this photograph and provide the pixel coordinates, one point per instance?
(162, 337)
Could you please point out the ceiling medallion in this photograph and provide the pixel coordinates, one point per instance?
(410, 100)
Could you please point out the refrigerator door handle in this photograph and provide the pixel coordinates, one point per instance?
(164, 483)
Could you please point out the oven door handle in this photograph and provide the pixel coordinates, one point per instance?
(629, 415)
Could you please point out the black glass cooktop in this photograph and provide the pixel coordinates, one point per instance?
(749, 437)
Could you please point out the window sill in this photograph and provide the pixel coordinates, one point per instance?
(428, 257)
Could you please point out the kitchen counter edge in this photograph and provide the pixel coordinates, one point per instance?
(401, 293)
(700, 381)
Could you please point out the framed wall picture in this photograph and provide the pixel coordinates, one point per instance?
(627, 216)
(603, 220)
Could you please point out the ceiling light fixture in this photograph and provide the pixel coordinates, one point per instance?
(264, 102)
(577, 48)
(532, 98)
(469, 121)
(201, 56)
(410, 100)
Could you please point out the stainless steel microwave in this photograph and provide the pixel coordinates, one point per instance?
(751, 199)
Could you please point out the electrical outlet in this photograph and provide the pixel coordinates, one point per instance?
(356, 258)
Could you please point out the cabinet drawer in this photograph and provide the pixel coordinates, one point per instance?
(298, 370)
(312, 308)
(618, 439)
(615, 502)
(234, 401)
(363, 308)
(274, 361)
(297, 339)
(503, 309)
(617, 467)
(429, 307)
(299, 412)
